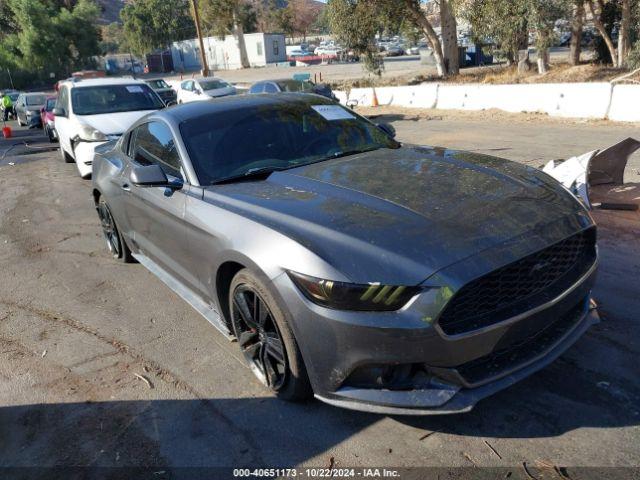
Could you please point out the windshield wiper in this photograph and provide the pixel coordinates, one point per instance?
(249, 174)
(348, 153)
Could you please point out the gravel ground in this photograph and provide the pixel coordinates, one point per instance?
(102, 366)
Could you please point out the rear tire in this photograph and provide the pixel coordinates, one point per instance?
(267, 342)
(116, 244)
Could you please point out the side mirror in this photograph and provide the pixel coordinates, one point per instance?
(149, 176)
(170, 103)
(59, 112)
(388, 129)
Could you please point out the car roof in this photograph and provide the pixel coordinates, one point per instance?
(188, 111)
(31, 94)
(98, 82)
(200, 79)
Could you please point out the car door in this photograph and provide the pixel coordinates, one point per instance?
(62, 122)
(156, 215)
(183, 91)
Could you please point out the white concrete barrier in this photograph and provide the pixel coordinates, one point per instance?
(570, 100)
(419, 96)
(625, 103)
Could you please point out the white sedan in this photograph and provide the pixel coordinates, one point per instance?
(198, 89)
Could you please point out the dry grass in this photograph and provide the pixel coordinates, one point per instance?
(498, 75)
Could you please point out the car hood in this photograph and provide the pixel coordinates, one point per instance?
(114, 123)
(399, 216)
(221, 92)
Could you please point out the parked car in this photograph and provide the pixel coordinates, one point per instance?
(27, 109)
(13, 95)
(378, 276)
(289, 85)
(393, 51)
(89, 113)
(163, 89)
(199, 89)
(47, 119)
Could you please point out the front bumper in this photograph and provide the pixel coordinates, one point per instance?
(336, 344)
(34, 121)
(84, 152)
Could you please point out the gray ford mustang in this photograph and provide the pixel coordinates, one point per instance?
(377, 276)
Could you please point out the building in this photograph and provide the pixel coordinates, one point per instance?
(224, 54)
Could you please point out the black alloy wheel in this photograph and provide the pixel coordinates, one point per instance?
(259, 337)
(109, 230)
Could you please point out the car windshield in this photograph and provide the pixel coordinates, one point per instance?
(35, 99)
(213, 84)
(14, 96)
(51, 104)
(158, 83)
(295, 86)
(251, 139)
(113, 98)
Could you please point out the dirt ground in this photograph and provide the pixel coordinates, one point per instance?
(102, 366)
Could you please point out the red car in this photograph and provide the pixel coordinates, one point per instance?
(47, 117)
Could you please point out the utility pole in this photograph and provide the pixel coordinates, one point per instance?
(10, 79)
(203, 55)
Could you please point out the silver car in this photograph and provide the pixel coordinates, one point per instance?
(378, 276)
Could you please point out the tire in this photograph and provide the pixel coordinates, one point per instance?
(64, 156)
(288, 378)
(115, 242)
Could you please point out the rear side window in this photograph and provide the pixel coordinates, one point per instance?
(270, 88)
(257, 88)
(153, 143)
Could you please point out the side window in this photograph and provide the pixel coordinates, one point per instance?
(186, 85)
(153, 143)
(63, 99)
(270, 88)
(257, 88)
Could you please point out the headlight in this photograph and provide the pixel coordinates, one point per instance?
(352, 296)
(90, 134)
(33, 113)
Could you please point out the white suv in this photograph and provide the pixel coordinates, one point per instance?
(91, 112)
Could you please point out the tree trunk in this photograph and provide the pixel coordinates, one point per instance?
(238, 32)
(543, 61)
(449, 38)
(597, 21)
(576, 33)
(421, 20)
(524, 65)
(623, 38)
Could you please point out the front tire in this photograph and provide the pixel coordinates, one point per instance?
(265, 338)
(115, 242)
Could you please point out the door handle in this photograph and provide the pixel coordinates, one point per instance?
(125, 187)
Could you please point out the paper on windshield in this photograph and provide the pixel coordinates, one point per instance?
(135, 89)
(332, 112)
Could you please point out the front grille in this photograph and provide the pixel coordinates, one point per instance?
(500, 361)
(520, 286)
